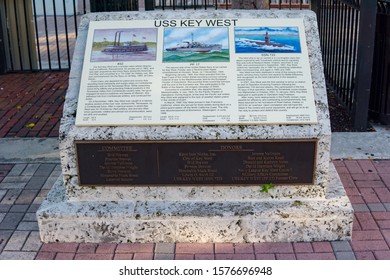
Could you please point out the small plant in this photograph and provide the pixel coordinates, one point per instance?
(266, 187)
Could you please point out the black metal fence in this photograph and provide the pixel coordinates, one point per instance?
(347, 33)
(39, 34)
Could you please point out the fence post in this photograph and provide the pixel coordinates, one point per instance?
(314, 6)
(365, 57)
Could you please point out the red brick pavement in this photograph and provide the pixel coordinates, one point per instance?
(31, 104)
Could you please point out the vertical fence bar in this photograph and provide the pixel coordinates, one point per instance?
(368, 10)
(332, 42)
(75, 17)
(324, 35)
(336, 58)
(351, 97)
(84, 7)
(340, 40)
(27, 35)
(350, 51)
(3, 60)
(18, 39)
(37, 35)
(346, 52)
(29, 50)
(9, 47)
(66, 30)
(47, 34)
(329, 37)
(56, 34)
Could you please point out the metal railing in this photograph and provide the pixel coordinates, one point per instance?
(39, 34)
(347, 34)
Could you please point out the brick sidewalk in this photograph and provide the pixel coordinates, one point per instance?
(31, 103)
(24, 186)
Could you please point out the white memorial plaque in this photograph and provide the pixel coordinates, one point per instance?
(196, 72)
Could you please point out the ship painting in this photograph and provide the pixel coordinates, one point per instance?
(198, 44)
(119, 47)
(194, 46)
(267, 40)
(128, 44)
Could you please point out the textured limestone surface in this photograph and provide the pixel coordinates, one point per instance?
(197, 214)
(266, 220)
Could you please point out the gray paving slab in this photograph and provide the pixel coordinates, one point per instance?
(10, 197)
(45, 169)
(33, 242)
(11, 220)
(5, 235)
(8, 186)
(17, 255)
(165, 248)
(30, 169)
(17, 240)
(362, 145)
(18, 168)
(341, 246)
(2, 194)
(376, 207)
(29, 150)
(360, 207)
(345, 256)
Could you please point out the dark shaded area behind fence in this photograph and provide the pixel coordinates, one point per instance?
(380, 90)
(354, 39)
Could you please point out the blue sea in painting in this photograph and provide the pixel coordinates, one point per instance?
(280, 40)
(213, 56)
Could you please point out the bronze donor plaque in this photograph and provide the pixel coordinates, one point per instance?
(219, 162)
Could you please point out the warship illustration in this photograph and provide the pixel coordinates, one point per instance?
(267, 42)
(194, 46)
(128, 47)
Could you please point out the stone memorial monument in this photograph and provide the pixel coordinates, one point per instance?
(196, 126)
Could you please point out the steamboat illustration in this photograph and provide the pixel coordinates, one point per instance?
(126, 47)
(195, 46)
